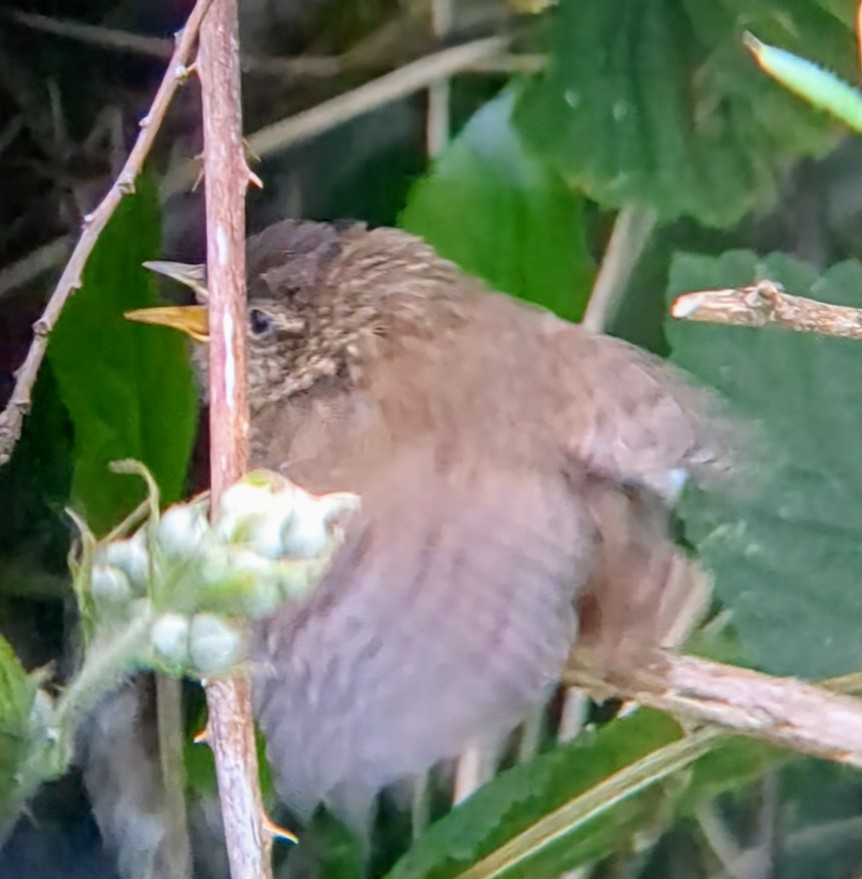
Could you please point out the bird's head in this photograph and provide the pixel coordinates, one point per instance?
(321, 298)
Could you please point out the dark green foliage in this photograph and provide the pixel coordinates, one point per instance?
(128, 388)
(786, 549)
(34, 485)
(522, 796)
(657, 102)
(518, 800)
(17, 692)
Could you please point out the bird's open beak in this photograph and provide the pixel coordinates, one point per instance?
(194, 276)
(192, 320)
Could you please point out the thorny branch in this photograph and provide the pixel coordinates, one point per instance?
(766, 304)
(12, 417)
(477, 54)
(376, 93)
(230, 733)
(810, 719)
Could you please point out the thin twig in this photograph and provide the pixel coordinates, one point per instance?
(372, 95)
(95, 35)
(510, 63)
(12, 418)
(10, 131)
(156, 47)
(798, 844)
(230, 733)
(573, 716)
(287, 132)
(475, 767)
(632, 229)
(302, 66)
(766, 304)
(720, 840)
(437, 120)
(169, 717)
(36, 263)
(756, 861)
(810, 719)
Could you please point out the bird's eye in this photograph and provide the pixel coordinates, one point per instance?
(260, 321)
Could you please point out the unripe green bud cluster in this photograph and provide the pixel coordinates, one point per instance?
(204, 643)
(200, 581)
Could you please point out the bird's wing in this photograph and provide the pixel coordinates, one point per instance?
(639, 428)
(633, 418)
(445, 615)
(644, 591)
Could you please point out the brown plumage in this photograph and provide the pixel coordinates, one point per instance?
(510, 465)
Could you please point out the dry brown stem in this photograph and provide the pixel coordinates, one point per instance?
(376, 93)
(12, 417)
(131, 43)
(229, 731)
(766, 304)
(810, 719)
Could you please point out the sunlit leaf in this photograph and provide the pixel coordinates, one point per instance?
(501, 214)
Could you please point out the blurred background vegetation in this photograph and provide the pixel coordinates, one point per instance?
(630, 141)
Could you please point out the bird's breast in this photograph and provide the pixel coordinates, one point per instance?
(448, 611)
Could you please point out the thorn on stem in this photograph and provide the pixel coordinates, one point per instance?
(276, 831)
(199, 160)
(181, 73)
(250, 150)
(126, 183)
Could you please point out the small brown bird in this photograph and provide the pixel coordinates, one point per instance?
(512, 468)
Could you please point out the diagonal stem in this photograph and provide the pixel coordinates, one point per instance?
(12, 417)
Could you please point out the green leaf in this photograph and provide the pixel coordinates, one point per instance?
(128, 388)
(35, 485)
(334, 851)
(656, 102)
(586, 800)
(499, 213)
(732, 765)
(520, 800)
(17, 692)
(786, 549)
